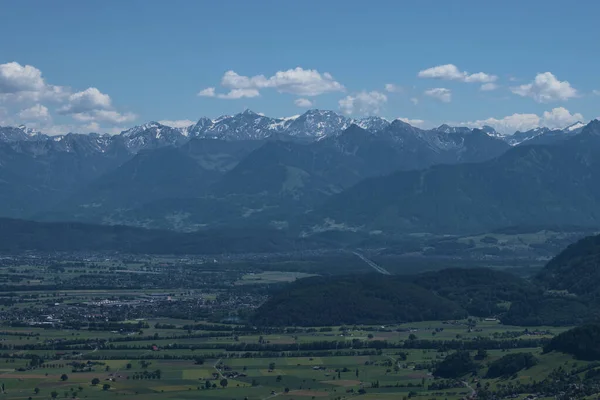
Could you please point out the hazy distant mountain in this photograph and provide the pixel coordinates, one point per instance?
(264, 182)
(151, 176)
(153, 135)
(35, 175)
(19, 133)
(243, 169)
(248, 125)
(312, 125)
(528, 185)
(544, 135)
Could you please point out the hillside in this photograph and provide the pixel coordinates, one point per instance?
(570, 282)
(582, 342)
(36, 175)
(357, 299)
(19, 236)
(483, 292)
(528, 185)
(575, 270)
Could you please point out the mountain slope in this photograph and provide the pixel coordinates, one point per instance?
(528, 185)
(356, 299)
(151, 175)
(35, 175)
(20, 235)
(575, 270)
(161, 183)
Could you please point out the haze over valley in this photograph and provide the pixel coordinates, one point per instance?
(287, 201)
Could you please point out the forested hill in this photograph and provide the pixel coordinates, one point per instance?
(481, 291)
(19, 235)
(576, 270)
(582, 342)
(365, 299)
(354, 299)
(445, 294)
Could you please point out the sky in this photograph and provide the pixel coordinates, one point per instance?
(107, 65)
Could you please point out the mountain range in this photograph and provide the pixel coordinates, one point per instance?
(312, 125)
(303, 173)
(527, 185)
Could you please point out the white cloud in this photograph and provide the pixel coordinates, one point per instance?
(304, 103)
(208, 92)
(88, 100)
(91, 105)
(15, 78)
(486, 87)
(37, 112)
(413, 122)
(557, 118)
(596, 92)
(303, 82)
(178, 123)
(236, 93)
(22, 83)
(546, 88)
(393, 88)
(363, 103)
(25, 84)
(442, 94)
(560, 118)
(451, 72)
(109, 116)
(298, 81)
(414, 100)
(239, 93)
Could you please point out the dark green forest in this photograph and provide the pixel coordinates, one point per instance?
(511, 364)
(582, 342)
(354, 299)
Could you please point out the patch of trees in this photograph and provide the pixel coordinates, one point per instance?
(478, 290)
(455, 365)
(511, 364)
(550, 311)
(582, 342)
(362, 299)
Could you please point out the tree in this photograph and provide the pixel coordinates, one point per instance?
(370, 336)
(199, 360)
(207, 384)
(224, 383)
(64, 377)
(128, 366)
(455, 365)
(36, 390)
(412, 336)
(54, 394)
(106, 386)
(272, 366)
(95, 381)
(481, 354)
(278, 379)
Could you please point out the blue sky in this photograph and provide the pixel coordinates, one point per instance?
(107, 65)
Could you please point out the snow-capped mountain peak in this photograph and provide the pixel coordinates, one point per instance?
(573, 127)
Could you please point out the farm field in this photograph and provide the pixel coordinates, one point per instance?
(99, 365)
(168, 328)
